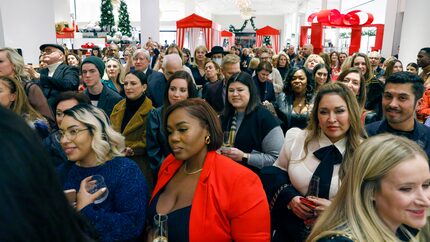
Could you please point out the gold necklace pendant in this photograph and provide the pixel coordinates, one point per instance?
(193, 172)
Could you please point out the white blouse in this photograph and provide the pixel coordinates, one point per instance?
(301, 170)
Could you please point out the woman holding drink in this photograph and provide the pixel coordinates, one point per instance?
(206, 196)
(316, 157)
(112, 191)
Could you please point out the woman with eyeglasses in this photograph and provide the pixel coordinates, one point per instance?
(63, 101)
(117, 211)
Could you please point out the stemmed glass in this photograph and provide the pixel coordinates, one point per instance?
(313, 191)
(160, 228)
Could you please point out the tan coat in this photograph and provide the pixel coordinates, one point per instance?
(134, 133)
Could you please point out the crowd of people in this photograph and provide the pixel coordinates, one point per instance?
(232, 145)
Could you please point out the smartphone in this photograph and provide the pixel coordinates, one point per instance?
(71, 196)
(308, 203)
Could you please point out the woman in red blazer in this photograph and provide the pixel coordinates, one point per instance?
(207, 196)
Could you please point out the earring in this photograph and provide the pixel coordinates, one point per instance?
(208, 139)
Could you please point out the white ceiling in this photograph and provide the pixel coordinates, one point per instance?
(171, 8)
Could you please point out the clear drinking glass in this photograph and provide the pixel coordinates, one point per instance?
(96, 183)
(160, 228)
(227, 142)
(314, 187)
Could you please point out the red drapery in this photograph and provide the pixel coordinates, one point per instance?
(268, 31)
(188, 30)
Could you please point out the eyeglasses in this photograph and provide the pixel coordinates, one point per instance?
(70, 134)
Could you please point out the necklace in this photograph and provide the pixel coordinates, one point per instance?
(193, 172)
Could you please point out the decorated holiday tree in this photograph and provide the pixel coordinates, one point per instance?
(107, 20)
(124, 22)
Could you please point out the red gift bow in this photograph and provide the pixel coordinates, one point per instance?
(332, 17)
(88, 45)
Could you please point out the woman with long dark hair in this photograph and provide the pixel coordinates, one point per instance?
(180, 86)
(294, 104)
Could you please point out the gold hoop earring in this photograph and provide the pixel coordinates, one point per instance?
(208, 139)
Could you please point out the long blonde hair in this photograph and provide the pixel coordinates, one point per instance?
(21, 106)
(353, 211)
(356, 132)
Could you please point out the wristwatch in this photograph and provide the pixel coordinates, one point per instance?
(245, 157)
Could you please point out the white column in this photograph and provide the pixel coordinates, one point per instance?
(415, 30)
(391, 14)
(27, 25)
(62, 10)
(150, 20)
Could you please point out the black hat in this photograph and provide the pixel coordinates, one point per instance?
(42, 47)
(100, 65)
(216, 50)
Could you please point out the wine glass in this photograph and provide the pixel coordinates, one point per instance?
(160, 228)
(313, 191)
(96, 183)
(314, 187)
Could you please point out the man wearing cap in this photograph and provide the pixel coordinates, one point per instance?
(100, 95)
(216, 54)
(57, 77)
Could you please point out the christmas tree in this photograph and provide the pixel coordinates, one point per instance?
(124, 22)
(106, 18)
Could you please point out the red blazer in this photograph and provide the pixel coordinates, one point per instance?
(229, 203)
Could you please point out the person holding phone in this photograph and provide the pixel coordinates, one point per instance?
(319, 151)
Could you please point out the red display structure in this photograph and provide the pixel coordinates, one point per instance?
(333, 18)
(189, 29)
(227, 35)
(268, 31)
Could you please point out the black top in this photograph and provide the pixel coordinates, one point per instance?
(197, 77)
(178, 221)
(283, 71)
(420, 133)
(131, 107)
(94, 97)
(254, 127)
(266, 90)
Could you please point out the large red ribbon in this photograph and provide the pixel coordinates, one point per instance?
(332, 17)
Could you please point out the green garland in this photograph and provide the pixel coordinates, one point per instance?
(232, 29)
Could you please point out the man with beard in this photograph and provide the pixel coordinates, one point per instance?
(402, 91)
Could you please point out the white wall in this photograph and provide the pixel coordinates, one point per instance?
(260, 21)
(62, 11)
(24, 26)
(415, 30)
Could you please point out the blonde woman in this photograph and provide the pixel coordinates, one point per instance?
(198, 66)
(12, 66)
(118, 211)
(312, 61)
(115, 73)
(383, 197)
(12, 97)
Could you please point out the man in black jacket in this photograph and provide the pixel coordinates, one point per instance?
(57, 77)
(402, 91)
(100, 95)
